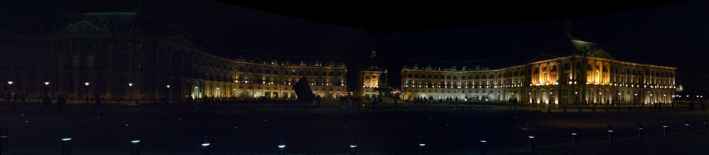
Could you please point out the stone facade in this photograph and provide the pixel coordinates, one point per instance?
(105, 56)
(577, 79)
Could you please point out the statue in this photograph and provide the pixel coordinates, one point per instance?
(303, 90)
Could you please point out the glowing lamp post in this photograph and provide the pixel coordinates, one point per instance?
(130, 88)
(12, 93)
(610, 135)
(66, 145)
(282, 148)
(483, 147)
(46, 88)
(205, 148)
(422, 148)
(665, 130)
(353, 149)
(136, 145)
(88, 92)
(169, 92)
(574, 137)
(531, 143)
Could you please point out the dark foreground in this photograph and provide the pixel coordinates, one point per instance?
(235, 129)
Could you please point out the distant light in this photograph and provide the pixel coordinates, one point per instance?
(135, 141)
(483, 141)
(10, 82)
(610, 131)
(641, 128)
(167, 86)
(66, 139)
(87, 84)
(281, 146)
(352, 146)
(46, 83)
(665, 126)
(531, 137)
(422, 144)
(130, 84)
(574, 134)
(206, 144)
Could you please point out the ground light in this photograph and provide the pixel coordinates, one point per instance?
(574, 138)
(135, 146)
(205, 148)
(665, 130)
(610, 136)
(282, 148)
(483, 147)
(66, 146)
(353, 148)
(531, 143)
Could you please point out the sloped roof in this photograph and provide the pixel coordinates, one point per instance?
(586, 48)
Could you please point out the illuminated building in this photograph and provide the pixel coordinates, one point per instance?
(122, 64)
(588, 77)
(372, 79)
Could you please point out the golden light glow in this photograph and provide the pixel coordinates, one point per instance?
(598, 73)
(545, 74)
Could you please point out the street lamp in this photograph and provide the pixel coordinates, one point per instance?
(205, 148)
(169, 92)
(531, 143)
(12, 94)
(88, 96)
(483, 147)
(610, 136)
(353, 148)
(130, 85)
(573, 137)
(281, 148)
(135, 146)
(66, 145)
(46, 84)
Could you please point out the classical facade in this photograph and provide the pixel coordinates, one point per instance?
(107, 56)
(372, 79)
(588, 77)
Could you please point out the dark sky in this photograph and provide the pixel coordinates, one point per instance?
(674, 34)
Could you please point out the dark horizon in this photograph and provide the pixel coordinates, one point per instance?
(662, 35)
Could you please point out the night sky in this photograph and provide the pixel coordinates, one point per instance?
(674, 35)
